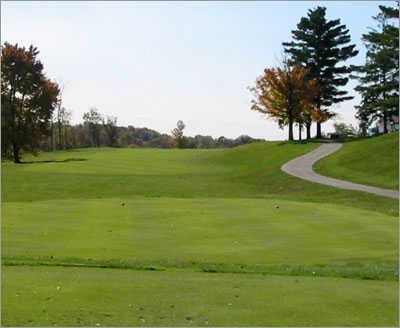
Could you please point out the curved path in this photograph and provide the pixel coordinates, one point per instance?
(302, 167)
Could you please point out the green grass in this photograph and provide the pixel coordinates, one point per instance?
(151, 228)
(114, 297)
(176, 232)
(251, 171)
(372, 161)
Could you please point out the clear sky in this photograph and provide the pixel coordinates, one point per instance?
(153, 63)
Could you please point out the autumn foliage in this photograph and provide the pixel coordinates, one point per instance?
(28, 99)
(287, 95)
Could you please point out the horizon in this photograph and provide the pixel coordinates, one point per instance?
(195, 64)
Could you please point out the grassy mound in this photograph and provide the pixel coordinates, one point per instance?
(372, 161)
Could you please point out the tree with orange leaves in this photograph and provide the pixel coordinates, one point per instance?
(28, 99)
(285, 94)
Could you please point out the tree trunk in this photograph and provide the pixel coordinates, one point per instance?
(290, 130)
(385, 128)
(319, 135)
(60, 143)
(308, 128)
(300, 126)
(66, 143)
(364, 131)
(385, 118)
(16, 153)
(51, 136)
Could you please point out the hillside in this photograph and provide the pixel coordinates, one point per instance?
(250, 171)
(372, 161)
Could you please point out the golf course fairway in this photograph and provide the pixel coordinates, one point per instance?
(189, 237)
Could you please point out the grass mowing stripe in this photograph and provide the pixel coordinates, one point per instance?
(378, 270)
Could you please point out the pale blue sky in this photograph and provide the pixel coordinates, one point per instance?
(151, 64)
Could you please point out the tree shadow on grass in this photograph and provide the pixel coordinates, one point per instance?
(56, 161)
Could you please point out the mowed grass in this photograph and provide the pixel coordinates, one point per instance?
(162, 237)
(253, 235)
(115, 297)
(372, 161)
(251, 171)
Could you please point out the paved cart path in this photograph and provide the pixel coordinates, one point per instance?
(302, 167)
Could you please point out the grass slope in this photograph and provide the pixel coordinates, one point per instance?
(373, 161)
(251, 171)
(182, 228)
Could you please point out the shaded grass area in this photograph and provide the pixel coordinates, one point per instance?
(372, 161)
(377, 270)
(45, 296)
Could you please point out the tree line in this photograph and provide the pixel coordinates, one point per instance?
(313, 72)
(33, 118)
(98, 130)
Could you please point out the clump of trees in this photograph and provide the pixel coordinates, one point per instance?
(379, 76)
(92, 120)
(28, 99)
(286, 94)
(310, 82)
(322, 46)
(111, 130)
(343, 130)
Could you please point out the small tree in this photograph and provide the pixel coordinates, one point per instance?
(63, 118)
(92, 120)
(285, 94)
(28, 99)
(345, 130)
(177, 133)
(111, 129)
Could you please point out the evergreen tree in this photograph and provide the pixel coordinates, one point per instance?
(379, 77)
(320, 45)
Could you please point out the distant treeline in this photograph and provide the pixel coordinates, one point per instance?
(80, 135)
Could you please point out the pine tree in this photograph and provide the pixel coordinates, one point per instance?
(320, 45)
(379, 77)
